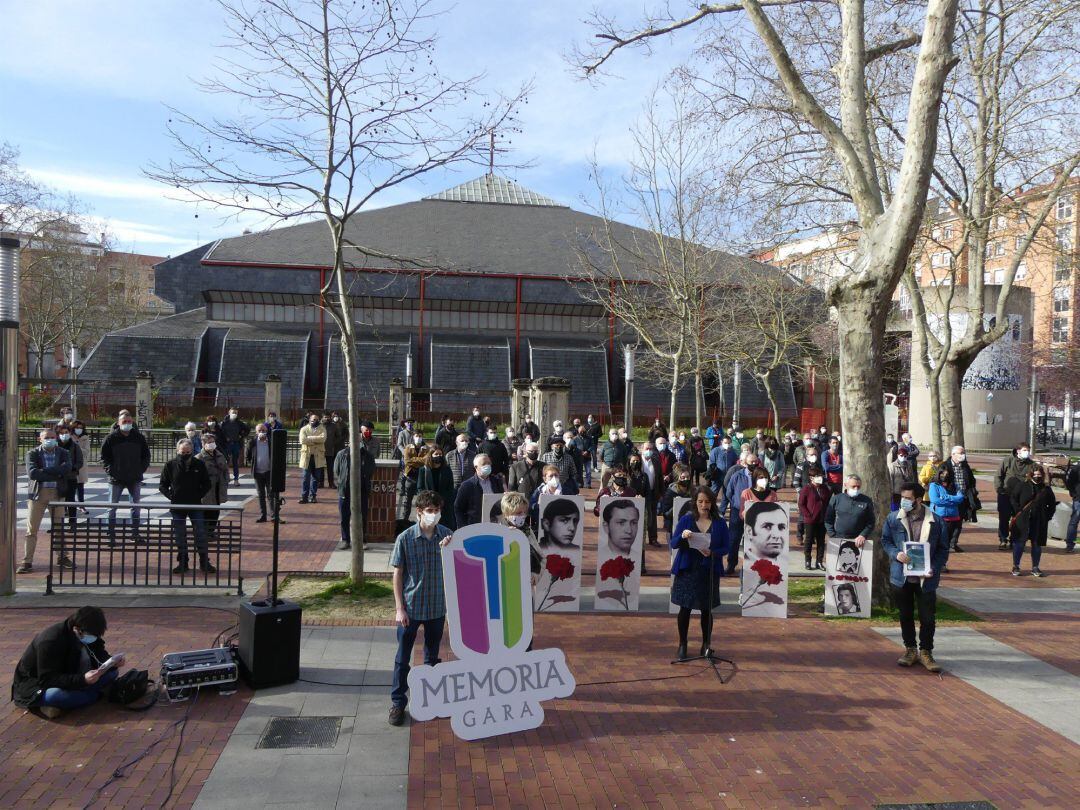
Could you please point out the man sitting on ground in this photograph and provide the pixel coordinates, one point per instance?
(61, 669)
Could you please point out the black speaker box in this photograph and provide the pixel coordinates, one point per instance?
(269, 643)
(278, 466)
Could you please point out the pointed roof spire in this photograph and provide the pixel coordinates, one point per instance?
(491, 188)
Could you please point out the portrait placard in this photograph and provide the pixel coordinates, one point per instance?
(918, 564)
(618, 553)
(765, 560)
(491, 510)
(679, 507)
(849, 576)
(560, 534)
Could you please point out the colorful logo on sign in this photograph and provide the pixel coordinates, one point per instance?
(496, 685)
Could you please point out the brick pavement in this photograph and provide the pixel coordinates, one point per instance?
(818, 715)
(59, 763)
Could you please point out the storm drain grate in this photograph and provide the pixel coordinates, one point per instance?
(938, 806)
(300, 732)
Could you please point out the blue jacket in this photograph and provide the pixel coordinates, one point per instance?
(944, 503)
(719, 461)
(893, 536)
(719, 543)
(740, 480)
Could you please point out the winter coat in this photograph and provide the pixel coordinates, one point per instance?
(895, 533)
(476, 428)
(217, 468)
(469, 503)
(848, 517)
(496, 451)
(813, 502)
(524, 478)
(667, 503)
(84, 447)
(612, 453)
(336, 434)
(460, 464)
(1033, 508)
(720, 460)
(833, 464)
(445, 438)
(53, 660)
(184, 480)
(943, 503)
(78, 461)
(567, 471)
(775, 466)
(699, 454)
(441, 480)
(234, 430)
(312, 446)
(38, 473)
(1012, 468)
(416, 457)
(751, 495)
(125, 457)
(900, 473)
(926, 477)
(737, 480)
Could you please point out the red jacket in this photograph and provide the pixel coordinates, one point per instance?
(813, 501)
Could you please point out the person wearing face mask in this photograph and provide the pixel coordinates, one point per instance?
(404, 438)
(336, 434)
(460, 460)
(185, 481)
(901, 472)
(581, 447)
(907, 442)
(801, 478)
(125, 456)
(549, 485)
(257, 458)
(556, 430)
(665, 459)
(496, 451)
(677, 445)
(642, 477)
(191, 430)
(772, 459)
(217, 467)
(469, 503)
(928, 473)
(814, 499)
(568, 472)
(913, 522)
(965, 485)
(790, 444)
(850, 514)
(415, 458)
(419, 599)
(435, 476)
(65, 442)
(512, 443)
(759, 491)
(946, 504)
(757, 444)
(808, 445)
(526, 475)
(1013, 468)
(312, 457)
(890, 446)
(737, 437)
(60, 669)
(80, 437)
(618, 486)
(213, 426)
(446, 434)
(529, 430)
(714, 434)
(833, 463)
(475, 428)
(514, 512)
(698, 452)
(680, 487)
(1033, 505)
(48, 468)
(343, 474)
(574, 451)
(595, 432)
(234, 433)
(611, 454)
(658, 430)
(721, 459)
(272, 422)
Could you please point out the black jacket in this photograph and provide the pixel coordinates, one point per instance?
(469, 504)
(234, 430)
(76, 455)
(125, 457)
(184, 480)
(446, 438)
(1033, 509)
(53, 661)
(37, 472)
(341, 469)
(526, 479)
(496, 451)
(848, 517)
(336, 434)
(249, 454)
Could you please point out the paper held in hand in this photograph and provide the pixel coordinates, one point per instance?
(918, 564)
(110, 663)
(700, 541)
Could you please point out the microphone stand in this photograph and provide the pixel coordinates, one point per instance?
(710, 656)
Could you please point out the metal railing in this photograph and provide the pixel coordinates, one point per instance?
(125, 554)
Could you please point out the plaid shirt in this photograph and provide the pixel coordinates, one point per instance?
(421, 559)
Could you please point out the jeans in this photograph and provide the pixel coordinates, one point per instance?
(344, 506)
(235, 451)
(179, 527)
(433, 633)
(1005, 513)
(1018, 552)
(134, 494)
(588, 473)
(735, 530)
(311, 483)
(262, 486)
(77, 698)
(906, 598)
(1074, 521)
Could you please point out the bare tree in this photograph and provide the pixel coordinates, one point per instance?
(813, 66)
(21, 198)
(653, 281)
(339, 103)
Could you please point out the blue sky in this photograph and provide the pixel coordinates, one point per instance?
(85, 88)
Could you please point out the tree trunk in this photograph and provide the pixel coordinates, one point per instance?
(699, 399)
(766, 383)
(861, 330)
(672, 410)
(952, 410)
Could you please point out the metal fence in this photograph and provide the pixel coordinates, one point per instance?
(141, 554)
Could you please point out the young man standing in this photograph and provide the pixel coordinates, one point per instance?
(419, 599)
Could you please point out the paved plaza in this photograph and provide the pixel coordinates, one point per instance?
(815, 713)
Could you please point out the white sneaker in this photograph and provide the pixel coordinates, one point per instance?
(50, 712)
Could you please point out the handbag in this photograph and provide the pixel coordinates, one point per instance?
(130, 687)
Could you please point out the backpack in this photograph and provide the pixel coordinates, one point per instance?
(130, 687)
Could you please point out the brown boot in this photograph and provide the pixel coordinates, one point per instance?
(910, 656)
(926, 658)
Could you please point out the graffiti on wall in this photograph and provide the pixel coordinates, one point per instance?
(999, 366)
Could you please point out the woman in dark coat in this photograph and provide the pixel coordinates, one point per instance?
(437, 477)
(697, 575)
(1033, 505)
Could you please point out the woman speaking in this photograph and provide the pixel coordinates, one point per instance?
(697, 573)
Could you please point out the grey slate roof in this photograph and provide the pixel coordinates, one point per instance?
(249, 354)
(474, 363)
(120, 356)
(379, 359)
(532, 239)
(490, 188)
(583, 364)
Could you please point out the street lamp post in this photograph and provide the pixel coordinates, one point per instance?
(9, 405)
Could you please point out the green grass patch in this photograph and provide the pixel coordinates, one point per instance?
(811, 591)
(323, 598)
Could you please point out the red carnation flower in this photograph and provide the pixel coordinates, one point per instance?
(559, 567)
(617, 568)
(768, 571)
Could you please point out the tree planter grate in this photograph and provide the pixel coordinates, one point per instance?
(300, 732)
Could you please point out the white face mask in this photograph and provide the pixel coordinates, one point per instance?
(491, 435)
(852, 491)
(232, 415)
(807, 442)
(462, 446)
(127, 426)
(661, 447)
(476, 413)
(1023, 453)
(726, 445)
(817, 480)
(553, 484)
(78, 431)
(647, 454)
(417, 441)
(210, 445)
(517, 520)
(190, 433)
(429, 519)
(811, 457)
(485, 470)
(613, 436)
(961, 458)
